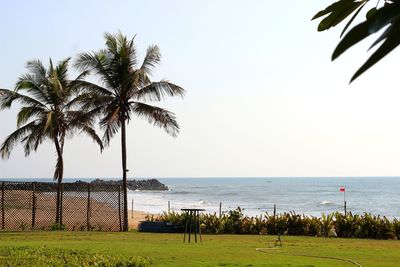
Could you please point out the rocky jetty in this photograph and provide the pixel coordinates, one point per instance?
(98, 185)
(149, 184)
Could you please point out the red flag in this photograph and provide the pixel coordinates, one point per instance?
(342, 189)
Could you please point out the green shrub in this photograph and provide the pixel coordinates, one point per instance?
(57, 227)
(172, 217)
(334, 224)
(396, 228)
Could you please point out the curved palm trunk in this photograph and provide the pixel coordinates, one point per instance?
(124, 170)
(58, 174)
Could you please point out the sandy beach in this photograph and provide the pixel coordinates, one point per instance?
(18, 212)
(135, 217)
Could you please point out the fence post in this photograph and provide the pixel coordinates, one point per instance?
(61, 204)
(33, 205)
(57, 203)
(132, 209)
(220, 210)
(2, 205)
(119, 208)
(88, 209)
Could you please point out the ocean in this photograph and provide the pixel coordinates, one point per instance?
(310, 196)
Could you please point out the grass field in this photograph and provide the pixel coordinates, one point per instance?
(216, 250)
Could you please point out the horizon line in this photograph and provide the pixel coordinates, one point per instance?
(206, 177)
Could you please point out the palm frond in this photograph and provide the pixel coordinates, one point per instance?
(91, 133)
(8, 97)
(89, 102)
(119, 47)
(139, 80)
(33, 140)
(152, 58)
(82, 75)
(38, 71)
(157, 91)
(27, 113)
(62, 69)
(157, 116)
(29, 83)
(110, 123)
(97, 63)
(112, 42)
(85, 87)
(11, 140)
(77, 117)
(86, 61)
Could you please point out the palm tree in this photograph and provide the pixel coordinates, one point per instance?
(46, 113)
(124, 87)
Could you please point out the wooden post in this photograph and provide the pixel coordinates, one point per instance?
(2, 205)
(220, 210)
(33, 205)
(132, 208)
(190, 224)
(119, 208)
(201, 239)
(56, 205)
(61, 204)
(88, 209)
(186, 226)
(343, 189)
(274, 210)
(195, 226)
(169, 206)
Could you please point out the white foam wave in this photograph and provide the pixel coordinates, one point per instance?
(326, 202)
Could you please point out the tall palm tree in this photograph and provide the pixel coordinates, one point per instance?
(46, 113)
(124, 87)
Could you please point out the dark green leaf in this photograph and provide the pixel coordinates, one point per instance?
(381, 38)
(380, 19)
(371, 12)
(352, 18)
(392, 41)
(337, 13)
(330, 9)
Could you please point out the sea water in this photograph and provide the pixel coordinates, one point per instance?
(310, 196)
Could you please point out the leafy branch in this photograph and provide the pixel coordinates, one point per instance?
(384, 14)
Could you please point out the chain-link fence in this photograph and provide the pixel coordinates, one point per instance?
(82, 206)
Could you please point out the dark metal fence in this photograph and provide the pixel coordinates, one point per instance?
(83, 206)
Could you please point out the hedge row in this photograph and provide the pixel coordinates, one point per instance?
(331, 225)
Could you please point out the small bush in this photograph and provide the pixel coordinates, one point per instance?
(57, 227)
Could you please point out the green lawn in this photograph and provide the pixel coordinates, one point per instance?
(216, 250)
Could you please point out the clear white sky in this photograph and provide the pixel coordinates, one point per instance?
(263, 98)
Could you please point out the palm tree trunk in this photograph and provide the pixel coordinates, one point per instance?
(58, 174)
(124, 170)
